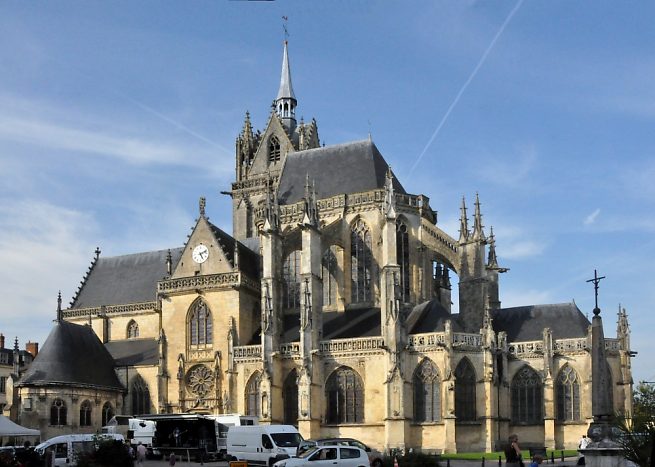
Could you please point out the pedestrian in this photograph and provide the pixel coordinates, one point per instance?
(584, 442)
(513, 456)
(172, 459)
(536, 460)
(140, 453)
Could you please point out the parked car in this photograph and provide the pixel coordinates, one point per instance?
(328, 456)
(374, 457)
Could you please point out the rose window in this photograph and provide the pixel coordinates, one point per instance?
(200, 380)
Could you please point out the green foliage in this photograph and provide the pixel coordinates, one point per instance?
(638, 431)
(110, 453)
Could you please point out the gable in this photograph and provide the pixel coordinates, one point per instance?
(275, 129)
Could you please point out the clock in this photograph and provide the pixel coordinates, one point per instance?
(200, 254)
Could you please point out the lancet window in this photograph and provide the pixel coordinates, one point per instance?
(402, 253)
(132, 330)
(200, 325)
(527, 397)
(344, 393)
(567, 391)
(253, 395)
(361, 262)
(465, 400)
(273, 150)
(290, 398)
(107, 413)
(58, 413)
(330, 268)
(427, 393)
(85, 413)
(140, 396)
(291, 280)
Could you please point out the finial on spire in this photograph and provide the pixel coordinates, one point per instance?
(478, 234)
(97, 252)
(463, 223)
(169, 262)
(201, 206)
(59, 312)
(596, 280)
(236, 255)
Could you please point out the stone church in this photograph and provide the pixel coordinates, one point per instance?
(328, 307)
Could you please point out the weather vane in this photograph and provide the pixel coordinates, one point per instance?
(596, 280)
(284, 26)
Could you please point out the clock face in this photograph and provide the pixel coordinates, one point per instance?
(200, 254)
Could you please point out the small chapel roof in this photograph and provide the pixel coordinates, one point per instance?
(527, 323)
(72, 355)
(125, 279)
(132, 352)
(343, 168)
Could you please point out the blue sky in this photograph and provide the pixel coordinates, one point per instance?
(116, 116)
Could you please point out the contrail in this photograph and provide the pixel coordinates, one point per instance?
(468, 81)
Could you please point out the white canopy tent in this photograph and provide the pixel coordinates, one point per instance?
(9, 428)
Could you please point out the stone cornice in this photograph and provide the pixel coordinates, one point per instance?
(110, 310)
(209, 282)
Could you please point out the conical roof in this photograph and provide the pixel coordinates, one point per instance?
(286, 89)
(72, 355)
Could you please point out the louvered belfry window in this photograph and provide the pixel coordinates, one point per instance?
(527, 397)
(345, 397)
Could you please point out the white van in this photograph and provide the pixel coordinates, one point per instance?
(262, 444)
(65, 448)
(223, 424)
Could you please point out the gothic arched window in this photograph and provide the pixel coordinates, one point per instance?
(330, 267)
(527, 397)
(361, 261)
(253, 395)
(465, 399)
(132, 330)
(200, 324)
(140, 396)
(291, 280)
(107, 413)
(427, 394)
(85, 413)
(344, 392)
(567, 390)
(58, 413)
(290, 398)
(402, 253)
(273, 150)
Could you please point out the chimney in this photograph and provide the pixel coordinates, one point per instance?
(33, 348)
(2, 341)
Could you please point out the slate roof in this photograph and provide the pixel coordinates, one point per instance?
(134, 352)
(344, 168)
(526, 323)
(125, 279)
(431, 316)
(249, 261)
(72, 355)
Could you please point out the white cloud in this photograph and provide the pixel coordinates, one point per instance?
(515, 243)
(591, 218)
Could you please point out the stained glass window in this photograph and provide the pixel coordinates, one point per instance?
(527, 397)
(107, 413)
(345, 397)
(465, 399)
(330, 266)
(200, 324)
(567, 391)
(253, 395)
(427, 394)
(58, 412)
(85, 413)
(140, 396)
(361, 262)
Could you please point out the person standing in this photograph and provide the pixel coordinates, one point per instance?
(513, 456)
(584, 442)
(140, 453)
(172, 459)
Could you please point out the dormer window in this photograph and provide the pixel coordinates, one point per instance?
(273, 150)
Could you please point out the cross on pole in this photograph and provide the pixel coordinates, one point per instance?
(596, 280)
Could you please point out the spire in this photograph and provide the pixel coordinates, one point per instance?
(478, 234)
(59, 312)
(202, 202)
(463, 223)
(285, 102)
(492, 261)
(169, 262)
(311, 209)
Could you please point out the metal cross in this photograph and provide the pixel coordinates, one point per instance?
(596, 280)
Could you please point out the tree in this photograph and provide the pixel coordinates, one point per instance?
(638, 431)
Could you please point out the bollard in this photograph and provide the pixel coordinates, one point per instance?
(500, 461)
(552, 457)
(482, 461)
(562, 454)
(447, 462)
